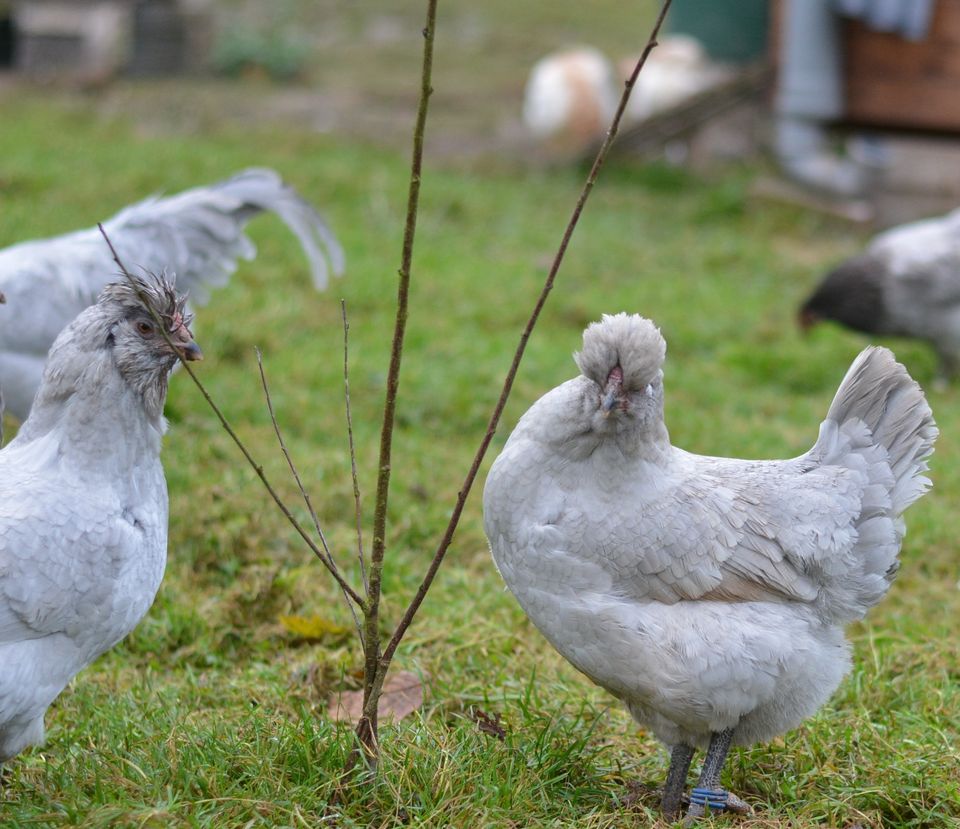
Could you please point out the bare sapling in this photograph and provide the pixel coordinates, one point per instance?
(364, 601)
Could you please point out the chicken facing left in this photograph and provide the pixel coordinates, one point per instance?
(83, 499)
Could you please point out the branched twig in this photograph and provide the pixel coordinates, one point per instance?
(353, 449)
(377, 663)
(229, 430)
(331, 562)
(393, 382)
(444, 544)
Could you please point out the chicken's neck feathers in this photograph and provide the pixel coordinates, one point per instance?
(90, 412)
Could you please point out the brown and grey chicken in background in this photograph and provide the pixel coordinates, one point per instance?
(708, 594)
(83, 500)
(197, 234)
(906, 283)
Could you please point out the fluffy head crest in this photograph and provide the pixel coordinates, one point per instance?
(151, 291)
(628, 340)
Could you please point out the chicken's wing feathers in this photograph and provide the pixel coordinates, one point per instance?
(58, 562)
(743, 530)
(199, 233)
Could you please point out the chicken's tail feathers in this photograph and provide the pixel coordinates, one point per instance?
(260, 189)
(879, 427)
(198, 234)
(879, 392)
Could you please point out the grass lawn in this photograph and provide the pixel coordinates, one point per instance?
(213, 714)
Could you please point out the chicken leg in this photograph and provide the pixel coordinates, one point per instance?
(680, 758)
(708, 791)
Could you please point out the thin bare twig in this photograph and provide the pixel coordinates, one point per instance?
(257, 468)
(464, 492)
(331, 562)
(286, 454)
(353, 449)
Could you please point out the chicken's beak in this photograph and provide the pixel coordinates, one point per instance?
(613, 391)
(190, 352)
(609, 400)
(181, 338)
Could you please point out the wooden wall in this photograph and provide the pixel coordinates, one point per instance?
(899, 83)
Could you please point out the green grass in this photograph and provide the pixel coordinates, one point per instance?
(211, 714)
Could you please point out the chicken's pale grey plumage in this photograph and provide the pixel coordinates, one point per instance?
(906, 283)
(197, 234)
(83, 500)
(708, 594)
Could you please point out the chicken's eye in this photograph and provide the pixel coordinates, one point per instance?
(145, 328)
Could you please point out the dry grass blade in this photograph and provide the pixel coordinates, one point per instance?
(331, 562)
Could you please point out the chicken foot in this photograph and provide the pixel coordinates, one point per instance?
(708, 791)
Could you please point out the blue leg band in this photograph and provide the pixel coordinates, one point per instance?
(715, 799)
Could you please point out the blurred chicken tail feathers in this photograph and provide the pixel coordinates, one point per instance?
(260, 189)
(199, 233)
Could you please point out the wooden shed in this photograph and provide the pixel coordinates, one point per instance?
(892, 82)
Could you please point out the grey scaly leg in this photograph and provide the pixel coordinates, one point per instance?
(680, 757)
(708, 791)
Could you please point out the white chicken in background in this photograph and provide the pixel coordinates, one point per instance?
(83, 500)
(571, 94)
(197, 234)
(707, 594)
(676, 71)
(569, 99)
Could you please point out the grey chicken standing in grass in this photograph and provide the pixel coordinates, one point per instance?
(708, 594)
(83, 500)
(197, 234)
(906, 283)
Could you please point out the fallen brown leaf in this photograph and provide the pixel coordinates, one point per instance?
(487, 724)
(402, 695)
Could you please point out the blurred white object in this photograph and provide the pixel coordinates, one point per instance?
(677, 70)
(810, 92)
(571, 95)
(570, 98)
